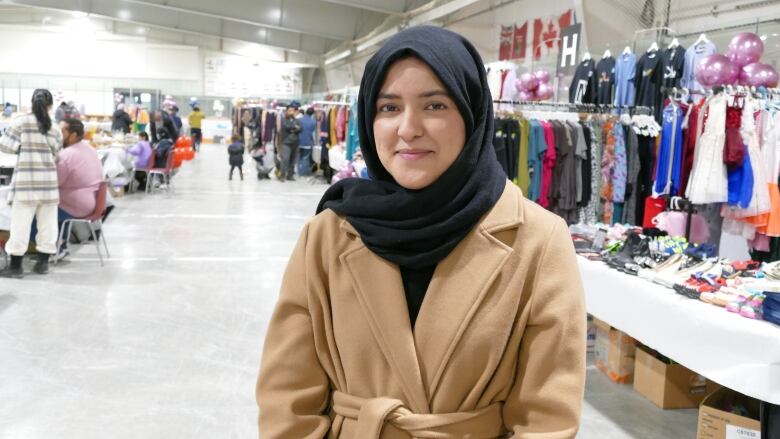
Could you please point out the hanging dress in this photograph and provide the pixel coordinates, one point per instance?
(709, 182)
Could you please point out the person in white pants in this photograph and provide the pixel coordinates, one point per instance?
(34, 190)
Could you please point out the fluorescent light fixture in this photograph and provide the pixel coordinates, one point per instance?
(124, 14)
(141, 30)
(337, 57)
(79, 14)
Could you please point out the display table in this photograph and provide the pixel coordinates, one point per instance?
(736, 352)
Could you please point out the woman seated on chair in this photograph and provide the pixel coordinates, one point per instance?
(163, 148)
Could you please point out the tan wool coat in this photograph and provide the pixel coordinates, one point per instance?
(498, 349)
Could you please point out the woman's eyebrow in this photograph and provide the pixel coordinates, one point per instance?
(388, 96)
(432, 93)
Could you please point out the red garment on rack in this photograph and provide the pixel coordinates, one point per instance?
(690, 138)
(734, 150)
(548, 164)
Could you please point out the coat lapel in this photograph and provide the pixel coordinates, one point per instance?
(381, 296)
(459, 285)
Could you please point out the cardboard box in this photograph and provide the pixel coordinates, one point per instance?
(669, 386)
(615, 352)
(715, 422)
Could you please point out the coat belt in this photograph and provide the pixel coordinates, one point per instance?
(372, 414)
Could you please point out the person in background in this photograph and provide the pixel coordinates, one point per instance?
(162, 120)
(142, 151)
(121, 121)
(59, 113)
(34, 193)
(291, 129)
(79, 174)
(308, 134)
(163, 148)
(195, 118)
(236, 156)
(8, 110)
(176, 122)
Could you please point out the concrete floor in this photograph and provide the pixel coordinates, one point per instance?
(165, 340)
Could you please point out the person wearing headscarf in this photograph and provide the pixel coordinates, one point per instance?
(432, 300)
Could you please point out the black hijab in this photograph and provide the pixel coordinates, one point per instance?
(419, 228)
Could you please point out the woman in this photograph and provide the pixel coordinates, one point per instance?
(433, 300)
(34, 192)
(121, 121)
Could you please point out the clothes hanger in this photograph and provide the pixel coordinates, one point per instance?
(674, 44)
(607, 54)
(586, 57)
(702, 39)
(627, 50)
(653, 48)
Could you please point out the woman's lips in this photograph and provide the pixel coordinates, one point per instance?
(413, 154)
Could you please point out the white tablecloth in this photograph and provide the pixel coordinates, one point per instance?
(116, 162)
(736, 352)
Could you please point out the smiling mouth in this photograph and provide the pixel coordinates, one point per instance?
(413, 154)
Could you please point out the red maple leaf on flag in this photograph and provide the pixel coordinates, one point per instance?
(550, 35)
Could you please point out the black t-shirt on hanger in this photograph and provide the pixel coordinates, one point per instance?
(673, 63)
(648, 81)
(583, 85)
(605, 77)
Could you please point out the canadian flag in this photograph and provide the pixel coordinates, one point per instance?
(547, 32)
(505, 44)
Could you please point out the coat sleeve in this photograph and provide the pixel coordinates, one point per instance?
(293, 390)
(546, 398)
(12, 139)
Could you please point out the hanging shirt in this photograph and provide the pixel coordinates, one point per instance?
(648, 79)
(548, 165)
(625, 74)
(693, 55)
(605, 74)
(583, 85)
(673, 65)
(523, 174)
(620, 169)
(353, 141)
(537, 148)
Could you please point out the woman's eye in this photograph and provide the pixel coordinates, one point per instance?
(436, 106)
(388, 108)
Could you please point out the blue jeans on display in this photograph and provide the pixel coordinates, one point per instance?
(62, 216)
(304, 161)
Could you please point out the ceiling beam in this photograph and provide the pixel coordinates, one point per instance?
(393, 8)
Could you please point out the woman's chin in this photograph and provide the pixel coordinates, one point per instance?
(415, 181)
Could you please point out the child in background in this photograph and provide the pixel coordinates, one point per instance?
(236, 153)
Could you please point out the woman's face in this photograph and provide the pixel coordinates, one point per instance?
(418, 129)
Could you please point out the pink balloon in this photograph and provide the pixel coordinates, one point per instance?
(543, 76)
(544, 91)
(519, 85)
(772, 78)
(746, 74)
(762, 75)
(730, 74)
(745, 48)
(526, 95)
(715, 70)
(529, 81)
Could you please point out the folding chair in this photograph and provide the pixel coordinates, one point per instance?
(95, 219)
(166, 173)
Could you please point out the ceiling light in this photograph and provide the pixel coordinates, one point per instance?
(141, 30)
(763, 37)
(46, 20)
(79, 14)
(124, 14)
(262, 32)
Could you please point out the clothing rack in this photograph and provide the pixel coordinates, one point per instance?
(576, 108)
(335, 103)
